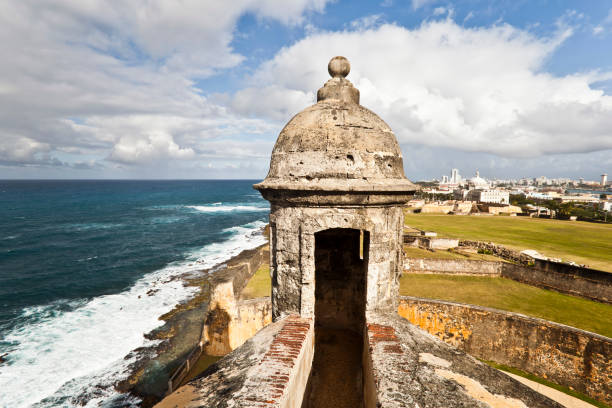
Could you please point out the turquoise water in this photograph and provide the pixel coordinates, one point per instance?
(86, 268)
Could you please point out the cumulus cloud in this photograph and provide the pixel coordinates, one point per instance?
(443, 85)
(115, 80)
(156, 145)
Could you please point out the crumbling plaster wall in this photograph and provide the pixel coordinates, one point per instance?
(562, 354)
(292, 262)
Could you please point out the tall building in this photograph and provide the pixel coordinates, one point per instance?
(604, 179)
(455, 177)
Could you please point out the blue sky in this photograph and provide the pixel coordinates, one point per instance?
(148, 89)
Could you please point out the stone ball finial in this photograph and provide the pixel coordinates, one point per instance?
(339, 67)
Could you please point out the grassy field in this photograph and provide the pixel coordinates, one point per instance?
(505, 294)
(259, 285)
(413, 252)
(581, 242)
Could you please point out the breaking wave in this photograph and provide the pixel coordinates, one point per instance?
(67, 349)
(219, 208)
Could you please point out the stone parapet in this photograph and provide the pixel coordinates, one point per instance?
(564, 355)
(270, 370)
(411, 368)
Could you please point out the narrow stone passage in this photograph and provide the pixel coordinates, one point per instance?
(336, 378)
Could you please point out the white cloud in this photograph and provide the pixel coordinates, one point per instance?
(438, 11)
(366, 22)
(271, 101)
(115, 79)
(24, 151)
(155, 146)
(442, 85)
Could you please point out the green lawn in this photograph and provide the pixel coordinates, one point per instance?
(581, 242)
(505, 294)
(259, 285)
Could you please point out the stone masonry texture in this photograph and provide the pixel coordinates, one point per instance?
(562, 354)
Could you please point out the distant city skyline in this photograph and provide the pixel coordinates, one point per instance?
(146, 89)
(452, 174)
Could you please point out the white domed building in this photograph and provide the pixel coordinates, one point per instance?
(478, 182)
(480, 191)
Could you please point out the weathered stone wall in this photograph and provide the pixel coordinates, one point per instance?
(562, 354)
(574, 280)
(413, 369)
(452, 266)
(271, 369)
(227, 327)
(239, 269)
(292, 260)
(497, 250)
(230, 321)
(406, 367)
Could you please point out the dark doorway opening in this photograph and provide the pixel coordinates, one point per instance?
(336, 377)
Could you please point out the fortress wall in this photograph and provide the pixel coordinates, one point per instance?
(562, 354)
(228, 327)
(230, 321)
(574, 280)
(270, 369)
(497, 250)
(452, 266)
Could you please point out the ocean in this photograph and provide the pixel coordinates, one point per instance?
(86, 269)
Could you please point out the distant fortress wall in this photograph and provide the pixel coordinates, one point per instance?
(574, 280)
(453, 266)
(565, 355)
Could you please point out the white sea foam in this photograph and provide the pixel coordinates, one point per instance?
(218, 207)
(69, 353)
(92, 226)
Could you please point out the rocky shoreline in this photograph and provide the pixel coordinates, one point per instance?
(182, 328)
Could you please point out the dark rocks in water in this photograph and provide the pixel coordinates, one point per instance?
(151, 292)
(3, 358)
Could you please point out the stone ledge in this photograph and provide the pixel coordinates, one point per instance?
(413, 368)
(565, 355)
(263, 372)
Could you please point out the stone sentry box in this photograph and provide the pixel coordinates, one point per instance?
(336, 166)
(336, 187)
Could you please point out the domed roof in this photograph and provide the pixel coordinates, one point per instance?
(478, 182)
(337, 145)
